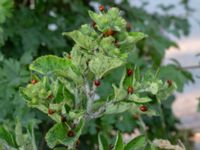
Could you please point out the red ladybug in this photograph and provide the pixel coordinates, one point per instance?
(50, 96)
(117, 44)
(69, 56)
(143, 108)
(128, 26)
(50, 111)
(130, 90)
(169, 82)
(94, 24)
(129, 72)
(78, 143)
(101, 8)
(97, 83)
(71, 133)
(135, 117)
(109, 32)
(34, 81)
(63, 119)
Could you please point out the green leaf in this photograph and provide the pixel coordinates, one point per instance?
(78, 59)
(135, 37)
(109, 63)
(7, 136)
(119, 145)
(60, 148)
(171, 72)
(60, 66)
(103, 143)
(44, 109)
(150, 147)
(136, 143)
(58, 135)
(153, 88)
(82, 40)
(19, 135)
(107, 43)
(103, 20)
(119, 107)
(120, 93)
(49, 63)
(5, 9)
(139, 100)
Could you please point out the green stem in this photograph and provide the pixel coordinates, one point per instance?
(77, 100)
(143, 126)
(88, 95)
(161, 115)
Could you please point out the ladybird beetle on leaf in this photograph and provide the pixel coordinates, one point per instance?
(71, 133)
(130, 90)
(143, 108)
(50, 111)
(34, 81)
(97, 83)
(101, 8)
(129, 72)
(169, 82)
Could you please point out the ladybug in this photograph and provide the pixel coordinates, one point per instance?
(129, 72)
(101, 8)
(143, 108)
(93, 24)
(169, 82)
(71, 133)
(128, 26)
(97, 83)
(117, 44)
(130, 90)
(63, 119)
(50, 111)
(78, 143)
(34, 81)
(109, 32)
(50, 96)
(69, 56)
(135, 117)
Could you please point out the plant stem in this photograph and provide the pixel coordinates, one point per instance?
(143, 126)
(191, 67)
(162, 115)
(77, 101)
(100, 111)
(89, 94)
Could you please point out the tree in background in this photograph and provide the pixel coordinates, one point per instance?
(35, 29)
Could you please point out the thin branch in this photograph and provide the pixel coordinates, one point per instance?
(100, 111)
(143, 127)
(191, 67)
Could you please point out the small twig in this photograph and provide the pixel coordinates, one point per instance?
(77, 101)
(181, 144)
(100, 111)
(143, 126)
(191, 67)
(90, 95)
(161, 114)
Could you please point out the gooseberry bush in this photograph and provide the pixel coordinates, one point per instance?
(69, 89)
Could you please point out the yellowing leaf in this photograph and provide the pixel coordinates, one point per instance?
(49, 63)
(82, 40)
(101, 64)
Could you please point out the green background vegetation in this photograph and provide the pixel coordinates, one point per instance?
(25, 35)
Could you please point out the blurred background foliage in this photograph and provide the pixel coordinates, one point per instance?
(31, 28)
